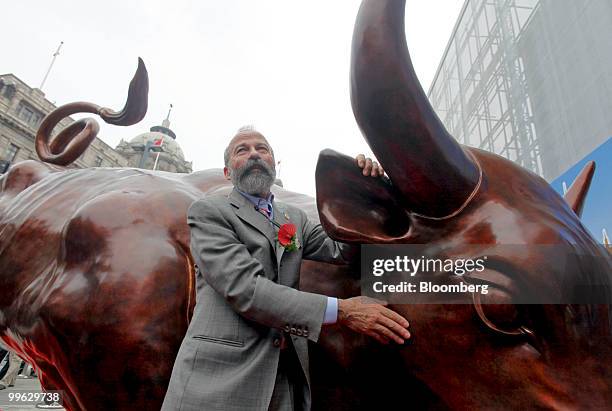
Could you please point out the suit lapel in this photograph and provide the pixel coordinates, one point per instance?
(247, 213)
(280, 216)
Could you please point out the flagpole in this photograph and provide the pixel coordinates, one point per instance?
(51, 65)
(156, 159)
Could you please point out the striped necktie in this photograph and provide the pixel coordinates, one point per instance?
(262, 207)
(264, 211)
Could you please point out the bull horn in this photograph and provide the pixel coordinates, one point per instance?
(577, 193)
(71, 142)
(136, 105)
(431, 171)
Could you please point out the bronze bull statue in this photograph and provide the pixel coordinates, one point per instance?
(97, 279)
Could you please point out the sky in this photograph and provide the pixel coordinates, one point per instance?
(279, 65)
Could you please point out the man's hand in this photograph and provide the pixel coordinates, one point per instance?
(369, 316)
(370, 168)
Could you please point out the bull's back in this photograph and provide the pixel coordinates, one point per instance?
(96, 274)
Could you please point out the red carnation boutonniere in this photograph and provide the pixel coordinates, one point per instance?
(287, 236)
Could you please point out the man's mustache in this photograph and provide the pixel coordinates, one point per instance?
(257, 164)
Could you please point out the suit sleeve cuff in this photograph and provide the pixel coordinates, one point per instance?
(331, 311)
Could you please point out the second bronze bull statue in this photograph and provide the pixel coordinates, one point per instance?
(97, 279)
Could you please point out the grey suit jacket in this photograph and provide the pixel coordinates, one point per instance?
(246, 296)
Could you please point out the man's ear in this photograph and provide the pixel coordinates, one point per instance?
(227, 173)
(354, 208)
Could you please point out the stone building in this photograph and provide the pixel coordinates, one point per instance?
(22, 108)
(155, 150)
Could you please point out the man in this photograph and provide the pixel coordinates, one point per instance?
(13, 369)
(4, 362)
(247, 344)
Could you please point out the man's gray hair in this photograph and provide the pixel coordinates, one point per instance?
(248, 127)
(243, 129)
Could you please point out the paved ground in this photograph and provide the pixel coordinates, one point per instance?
(21, 385)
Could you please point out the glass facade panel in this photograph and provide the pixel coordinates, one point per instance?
(480, 72)
(518, 80)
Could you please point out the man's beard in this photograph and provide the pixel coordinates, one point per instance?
(251, 181)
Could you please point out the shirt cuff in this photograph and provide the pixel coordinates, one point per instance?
(331, 311)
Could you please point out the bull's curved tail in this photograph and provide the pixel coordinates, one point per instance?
(71, 142)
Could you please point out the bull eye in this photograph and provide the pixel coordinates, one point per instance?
(497, 308)
(497, 312)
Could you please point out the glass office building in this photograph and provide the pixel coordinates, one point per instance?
(530, 80)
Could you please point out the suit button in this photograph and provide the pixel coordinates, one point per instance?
(276, 342)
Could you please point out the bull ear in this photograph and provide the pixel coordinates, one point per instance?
(577, 193)
(354, 208)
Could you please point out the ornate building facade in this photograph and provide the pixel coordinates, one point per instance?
(155, 150)
(22, 108)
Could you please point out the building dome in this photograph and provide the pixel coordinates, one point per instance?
(170, 145)
(155, 150)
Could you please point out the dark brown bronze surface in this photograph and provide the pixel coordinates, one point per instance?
(97, 280)
(467, 203)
